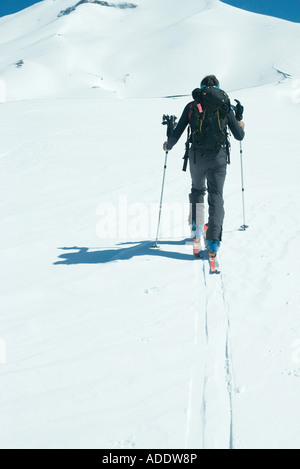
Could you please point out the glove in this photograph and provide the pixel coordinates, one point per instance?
(239, 109)
(165, 147)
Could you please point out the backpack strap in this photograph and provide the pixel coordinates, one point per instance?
(187, 143)
(191, 110)
(189, 132)
(187, 148)
(227, 144)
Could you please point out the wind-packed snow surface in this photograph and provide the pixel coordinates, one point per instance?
(159, 48)
(106, 342)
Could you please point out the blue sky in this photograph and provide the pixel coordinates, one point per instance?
(12, 6)
(288, 9)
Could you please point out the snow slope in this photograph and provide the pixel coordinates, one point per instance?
(157, 49)
(104, 341)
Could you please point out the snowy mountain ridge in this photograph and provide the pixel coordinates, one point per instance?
(123, 6)
(86, 49)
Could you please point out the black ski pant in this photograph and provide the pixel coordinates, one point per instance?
(208, 173)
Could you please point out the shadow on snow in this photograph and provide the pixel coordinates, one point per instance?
(85, 255)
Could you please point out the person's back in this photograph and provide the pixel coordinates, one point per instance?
(208, 117)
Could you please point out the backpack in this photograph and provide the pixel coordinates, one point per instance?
(208, 119)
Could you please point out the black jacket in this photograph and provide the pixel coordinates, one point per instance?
(233, 125)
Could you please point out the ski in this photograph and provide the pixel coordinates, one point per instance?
(201, 252)
(213, 264)
(197, 248)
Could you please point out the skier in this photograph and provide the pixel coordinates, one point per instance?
(208, 158)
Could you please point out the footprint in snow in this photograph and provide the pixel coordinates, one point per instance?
(145, 340)
(295, 373)
(152, 290)
(128, 443)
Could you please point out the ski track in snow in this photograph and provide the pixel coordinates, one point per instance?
(200, 414)
(229, 362)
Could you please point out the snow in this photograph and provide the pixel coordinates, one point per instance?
(157, 49)
(106, 342)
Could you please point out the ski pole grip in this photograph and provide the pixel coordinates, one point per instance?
(170, 122)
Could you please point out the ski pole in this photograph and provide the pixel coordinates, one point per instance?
(170, 121)
(161, 200)
(244, 226)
